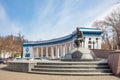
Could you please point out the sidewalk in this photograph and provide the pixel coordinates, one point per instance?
(9, 75)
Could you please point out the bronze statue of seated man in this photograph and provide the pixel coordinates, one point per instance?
(80, 38)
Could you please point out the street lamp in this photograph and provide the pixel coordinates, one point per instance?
(95, 41)
(93, 44)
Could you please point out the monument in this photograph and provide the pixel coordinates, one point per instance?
(79, 52)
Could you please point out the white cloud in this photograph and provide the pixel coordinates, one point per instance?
(48, 23)
(48, 8)
(104, 10)
(68, 20)
(7, 26)
(3, 16)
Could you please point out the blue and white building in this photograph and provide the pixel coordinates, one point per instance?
(56, 48)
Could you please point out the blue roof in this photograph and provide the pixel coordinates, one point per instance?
(90, 28)
(63, 39)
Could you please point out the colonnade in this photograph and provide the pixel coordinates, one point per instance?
(53, 51)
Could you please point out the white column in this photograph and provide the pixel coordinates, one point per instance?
(70, 47)
(86, 42)
(57, 52)
(63, 50)
(72, 44)
(99, 43)
(41, 51)
(52, 56)
(37, 52)
(31, 52)
(66, 50)
(47, 52)
(24, 52)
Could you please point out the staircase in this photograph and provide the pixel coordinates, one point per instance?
(72, 68)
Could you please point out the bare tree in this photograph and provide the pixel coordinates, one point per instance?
(106, 37)
(12, 44)
(114, 20)
(111, 27)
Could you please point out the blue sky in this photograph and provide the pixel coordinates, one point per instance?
(47, 19)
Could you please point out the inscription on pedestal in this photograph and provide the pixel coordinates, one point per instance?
(76, 55)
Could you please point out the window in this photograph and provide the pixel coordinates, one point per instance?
(89, 38)
(89, 42)
(89, 46)
(96, 39)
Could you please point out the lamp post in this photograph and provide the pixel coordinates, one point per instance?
(97, 42)
(93, 44)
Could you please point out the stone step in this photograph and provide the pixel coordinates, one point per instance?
(57, 61)
(71, 70)
(74, 73)
(73, 66)
(88, 63)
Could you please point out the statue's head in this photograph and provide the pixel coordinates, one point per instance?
(78, 28)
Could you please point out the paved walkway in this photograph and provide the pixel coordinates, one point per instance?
(9, 75)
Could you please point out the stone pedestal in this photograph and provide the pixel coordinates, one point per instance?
(80, 53)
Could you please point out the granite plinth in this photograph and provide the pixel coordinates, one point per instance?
(80, 53)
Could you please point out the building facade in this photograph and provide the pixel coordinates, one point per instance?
(56, 48)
